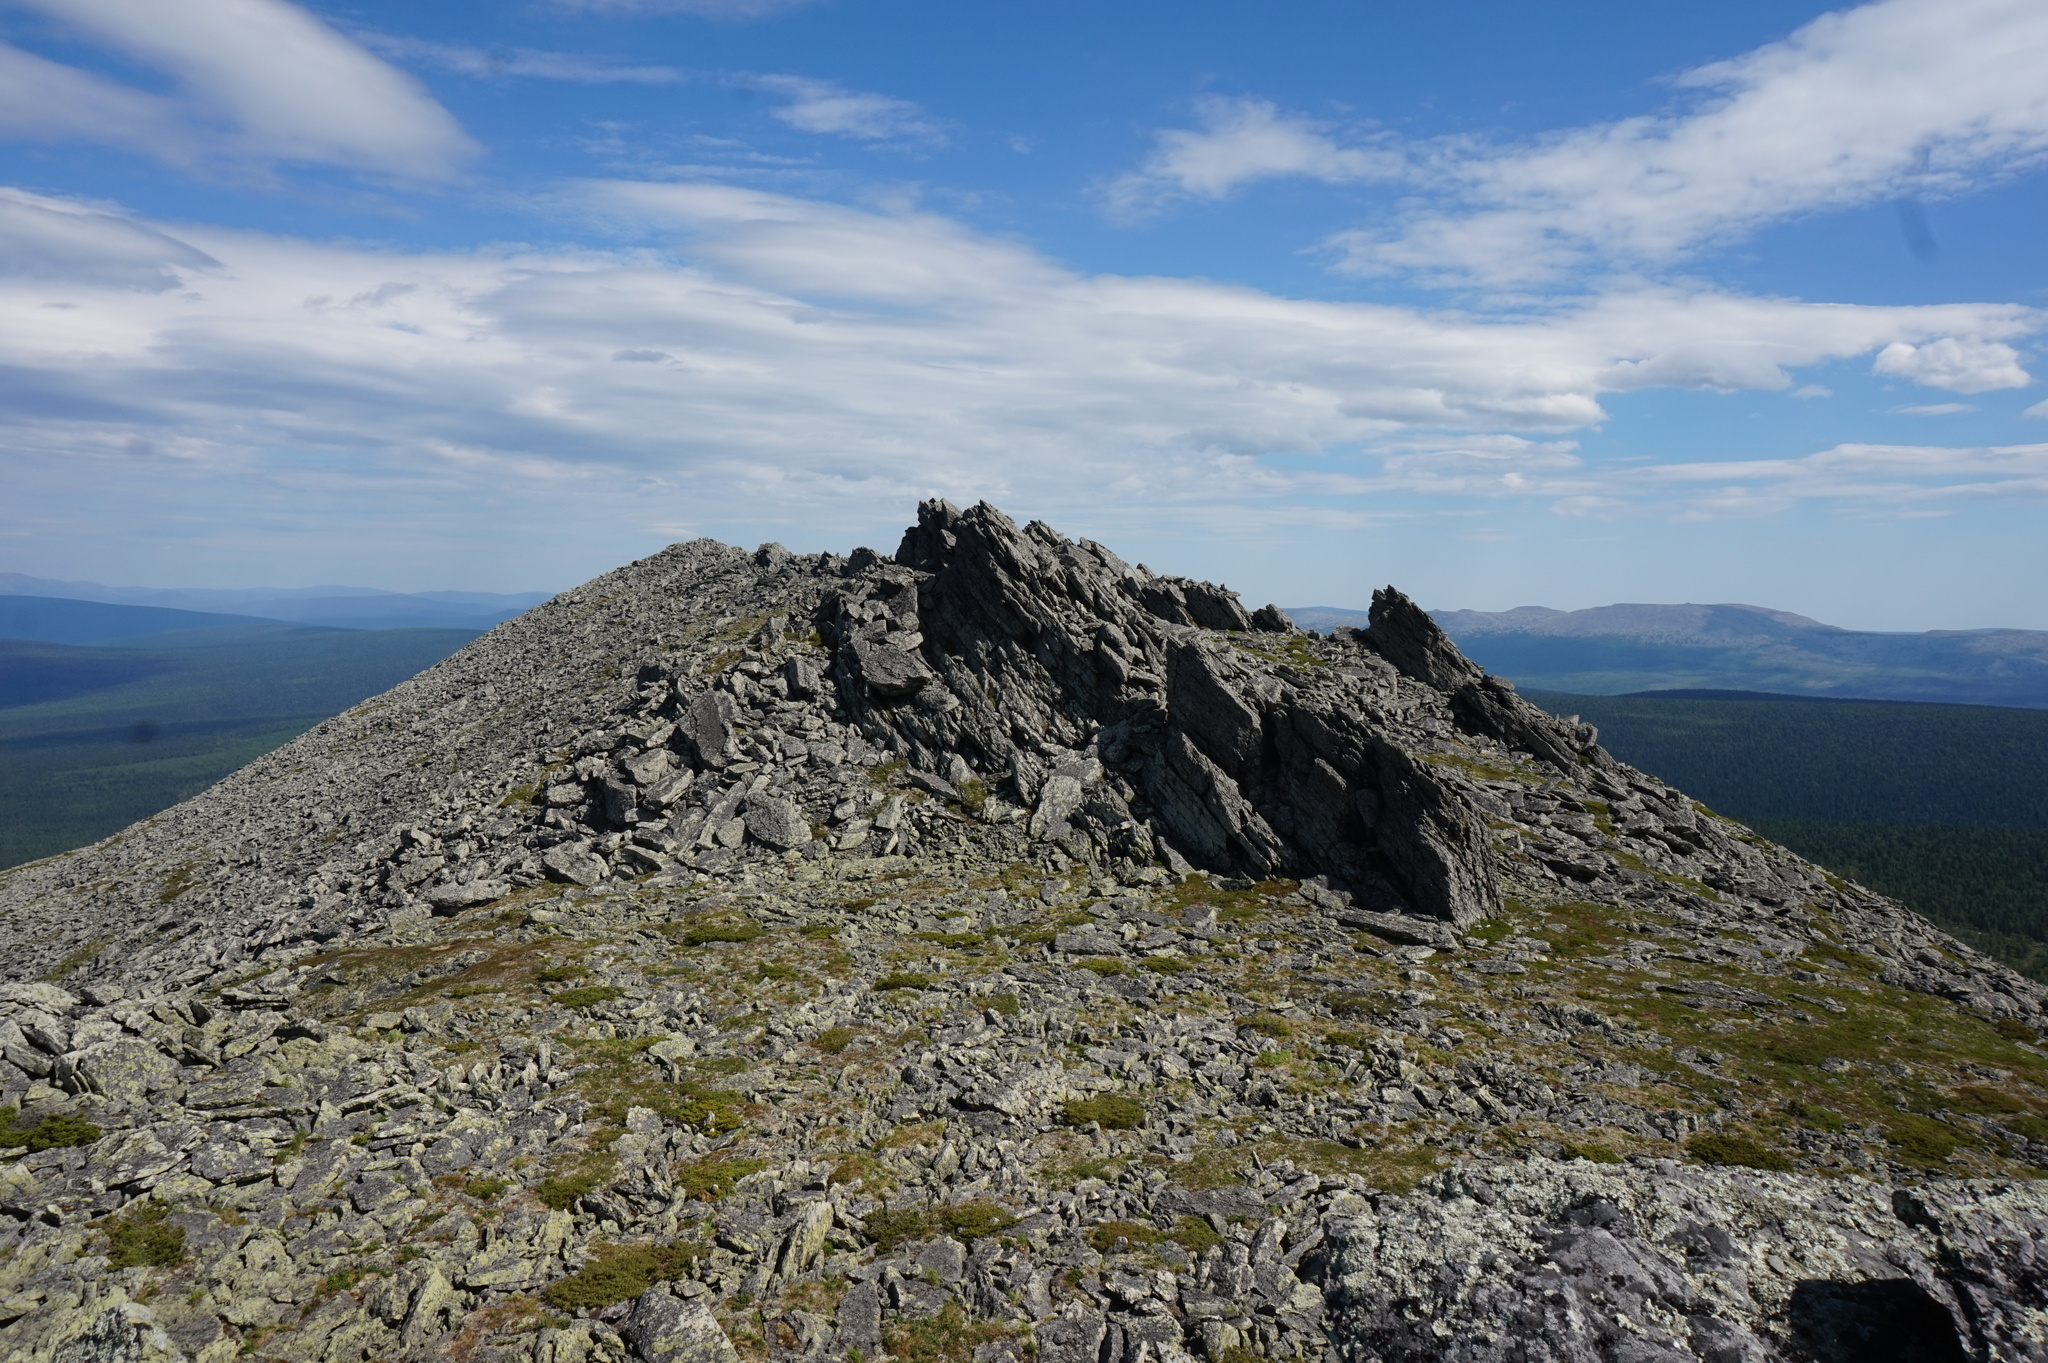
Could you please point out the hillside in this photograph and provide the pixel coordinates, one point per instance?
(991, 952)
(1942, 806)
(1613, 650)
(94, 738)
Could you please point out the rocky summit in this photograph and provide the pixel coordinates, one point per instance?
(992, 952)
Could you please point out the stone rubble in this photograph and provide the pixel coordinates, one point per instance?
(997, 950)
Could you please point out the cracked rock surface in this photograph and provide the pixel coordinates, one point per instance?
(992, 951)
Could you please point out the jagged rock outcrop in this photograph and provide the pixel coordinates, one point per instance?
(996, 949)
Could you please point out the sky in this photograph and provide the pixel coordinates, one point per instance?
(1503, 304)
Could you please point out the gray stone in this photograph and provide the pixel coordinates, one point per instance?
(662, 1328)
(777, 821)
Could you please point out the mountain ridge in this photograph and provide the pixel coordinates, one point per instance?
(985, 952)
(1610, 650)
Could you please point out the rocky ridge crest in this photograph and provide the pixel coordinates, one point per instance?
(989, 950)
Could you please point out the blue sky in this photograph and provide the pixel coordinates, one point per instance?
(1504, 304)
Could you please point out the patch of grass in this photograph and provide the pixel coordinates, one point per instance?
(833, 1040)
(1740, 1151)
(589, 996)
(697, 932)
(77, 960)
(1921, 1141)
(1357, 1041)
(1113, 1112)
(864, 1169)
(1588, 1150)
(774, 970)
(1006, 1004)
(1265, 1024)
(1392, 1168)
(619, 1273)
(973, 795)
(562, 1191)
(561, 974)
(882, 774)
(1102, 965)
(707, 1180)
(821, 932)
(954, 939)
(948, 1337)
(903, 979)
(1985, 1100)
(1112, 1237)
(51, 1133)
(180, 880)
(2031, 1127)
(1165, 965)
(975, 1220)
(486, 1189)
(140, 1239)
(889, 1231)
(1194, 1235)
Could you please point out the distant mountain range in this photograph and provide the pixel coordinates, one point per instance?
(335, 607)
(1622, 649)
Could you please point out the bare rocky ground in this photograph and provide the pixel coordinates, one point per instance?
(993, 952)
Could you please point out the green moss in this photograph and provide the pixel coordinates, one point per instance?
(1006, 1004)
(1112, 1111)
(833, 1040)
(619, 1273)
(703, 931)
(1102, 965)
(1165, 965)
(707, 1180)
(902, 979)
(1920, 1140)
(1265, 1024)
(1720, 1148)
(975, 1220)
(890, 1230)
(141, 1239)
(1117, 1236)
(51, 1133)
(562, 1191)
(589, 996)
(1597, 1154)
(1194, 1235)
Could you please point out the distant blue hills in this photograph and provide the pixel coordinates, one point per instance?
(1627, 649)
(332, 607)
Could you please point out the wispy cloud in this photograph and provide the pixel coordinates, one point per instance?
(256, 81)
(520, 63)
(820, 106)
(834, 363)
(1900, 98)
(1241, 141)
(738, 11)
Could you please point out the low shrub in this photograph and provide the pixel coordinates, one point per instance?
(889, 1230)
(1737, 1150)
(975, 1220)
(1112, 1111)
(704, 931)
(589, 996)
(53, 1132)
(1102, 965)
(833, 1040)
(486, 1189)
(1006, 1004)
(1265, 1024)
(1597, 1154)
(902, 980)
(710, 1179)
(1165, 965)
(619, 1273)
(141, 1239)
(1112, 1236)
(562, 1191)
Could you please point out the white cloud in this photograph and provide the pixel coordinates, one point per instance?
(2039, 409)
(1960, 366)
(258, 80)
(1919, 97)
(521, 63)
(819, 106)
(61, 239)
(819, 363)
(735, 10)
(1935, 409)
(1241, 141)
(1813, 390)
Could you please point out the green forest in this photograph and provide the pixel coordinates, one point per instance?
(95, 737)
(1944, 807)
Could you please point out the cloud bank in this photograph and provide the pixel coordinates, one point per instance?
(256, 81)
(1902, 98)
(833, 363)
